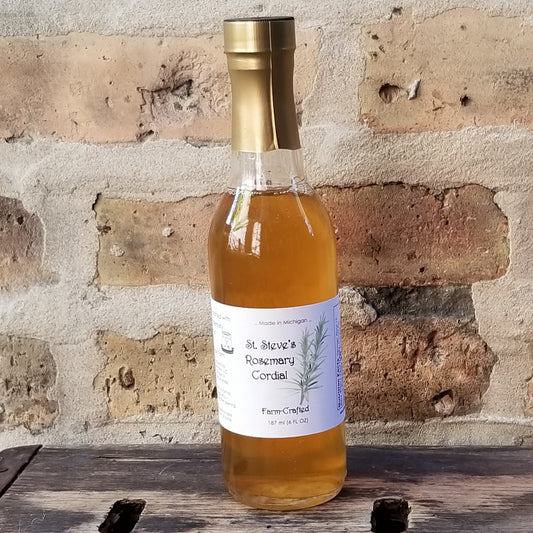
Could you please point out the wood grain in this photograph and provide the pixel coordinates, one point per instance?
(448, 490)
(12, 462)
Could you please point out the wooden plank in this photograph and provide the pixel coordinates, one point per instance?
(178, 489)
(12, 462)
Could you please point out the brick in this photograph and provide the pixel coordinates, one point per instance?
(386, 235)
(414, 369)
(145, 243)
(169, 373)
(103, 88)
(21, 244)
(27, 377)
(474, 70)
(406, 235)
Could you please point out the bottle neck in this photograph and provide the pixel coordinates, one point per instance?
(268, 171)
(263, 111)
(265, 142)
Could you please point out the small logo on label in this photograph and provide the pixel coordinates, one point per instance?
(226, 345)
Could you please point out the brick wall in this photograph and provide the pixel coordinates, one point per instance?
(417, 122)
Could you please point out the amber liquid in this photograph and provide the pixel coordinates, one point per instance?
(276, 249)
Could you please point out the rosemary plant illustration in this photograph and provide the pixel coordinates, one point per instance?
(311, 359)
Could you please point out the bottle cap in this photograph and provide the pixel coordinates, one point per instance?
(256, 35)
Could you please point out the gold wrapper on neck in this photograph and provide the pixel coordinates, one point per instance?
(260, 54)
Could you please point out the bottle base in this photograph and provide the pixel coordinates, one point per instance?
(273, 503)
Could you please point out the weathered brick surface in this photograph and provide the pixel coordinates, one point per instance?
(414, 369)
(27, 375)
(169, 373)
(405, 235)
(144, 243)
(474, 70)
(21, 244)
(98, 88)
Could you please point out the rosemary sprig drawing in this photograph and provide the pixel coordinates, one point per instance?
(311, 357)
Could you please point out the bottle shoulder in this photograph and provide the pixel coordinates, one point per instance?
(272, 249)
(279, 209)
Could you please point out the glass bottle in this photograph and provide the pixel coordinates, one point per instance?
(273, 277)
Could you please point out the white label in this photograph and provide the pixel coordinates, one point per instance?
(279, 371)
